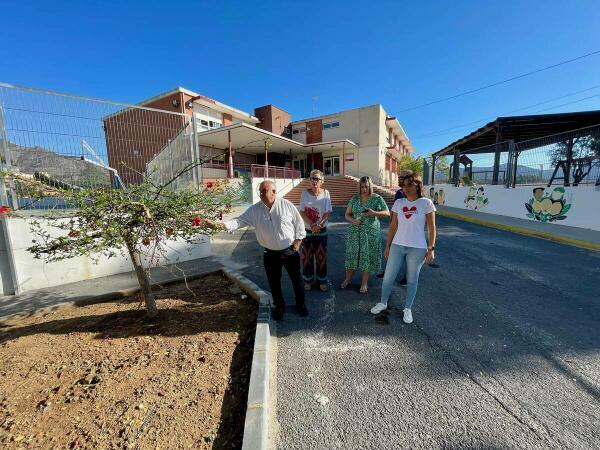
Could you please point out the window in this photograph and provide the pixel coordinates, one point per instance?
(296, 131)
(328, 125)
(207, 119)
(300, 130)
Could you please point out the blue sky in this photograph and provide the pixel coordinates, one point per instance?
(348, 54)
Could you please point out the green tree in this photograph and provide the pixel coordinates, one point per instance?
(579, 151)
(135, 222)
(408, 162)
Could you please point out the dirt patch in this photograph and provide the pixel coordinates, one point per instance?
(103, 376)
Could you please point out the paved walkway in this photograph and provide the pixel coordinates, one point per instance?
(503, 352)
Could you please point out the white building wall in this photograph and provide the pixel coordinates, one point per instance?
(366, 127)
(282, 186)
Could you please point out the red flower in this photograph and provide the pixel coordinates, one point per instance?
(73, 233)
(5, 210)
(146, 241)
(209, 184)
(169, 231)
(312, 214)
(197, 221)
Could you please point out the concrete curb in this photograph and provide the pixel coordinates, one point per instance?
(256, 427)
(523, 231)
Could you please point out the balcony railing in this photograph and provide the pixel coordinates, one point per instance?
(263, 171)
(254, 170)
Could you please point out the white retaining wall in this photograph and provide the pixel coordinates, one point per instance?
(282, 186)
(583, 212)
(21, 272)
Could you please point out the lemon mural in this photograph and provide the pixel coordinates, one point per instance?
(547, 207)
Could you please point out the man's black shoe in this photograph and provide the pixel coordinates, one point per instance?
(302, 311)
(402, 281)
(277, 313)
(380, 275)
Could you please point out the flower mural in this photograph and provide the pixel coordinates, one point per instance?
(548, 207)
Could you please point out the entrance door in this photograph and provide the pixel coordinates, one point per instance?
(331, 165)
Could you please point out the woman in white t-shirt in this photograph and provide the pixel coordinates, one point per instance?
(315, 209)
(406, 245)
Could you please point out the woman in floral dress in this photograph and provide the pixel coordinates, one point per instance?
(363, 245)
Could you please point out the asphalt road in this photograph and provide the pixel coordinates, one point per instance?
(504, 350)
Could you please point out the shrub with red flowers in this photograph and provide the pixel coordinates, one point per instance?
(4, 210)
(137, 221)
(312, 214)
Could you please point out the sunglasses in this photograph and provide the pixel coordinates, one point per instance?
(315, 180)
(264, 191)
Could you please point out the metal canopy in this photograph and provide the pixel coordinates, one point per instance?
(520, 128)
(248, 139)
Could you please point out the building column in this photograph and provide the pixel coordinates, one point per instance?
(343, 159)
(266, 160)
(230, 156)
(496, 169)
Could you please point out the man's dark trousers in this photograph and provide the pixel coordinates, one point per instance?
(274, 260)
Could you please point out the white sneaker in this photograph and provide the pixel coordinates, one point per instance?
(407, 316)
(378, 308)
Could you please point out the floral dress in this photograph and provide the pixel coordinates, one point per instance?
(363, 244)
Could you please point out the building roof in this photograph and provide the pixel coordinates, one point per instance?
(166, 94)
(521, 128)
(249, 139)
(197, 99)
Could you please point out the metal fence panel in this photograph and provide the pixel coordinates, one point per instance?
(81, 142)
(570, 158)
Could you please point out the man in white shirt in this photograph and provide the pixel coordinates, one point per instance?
(279, 229)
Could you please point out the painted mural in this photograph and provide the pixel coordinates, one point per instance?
(437, 196)
(476, 198)
(548, 206)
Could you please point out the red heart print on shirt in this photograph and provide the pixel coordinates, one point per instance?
(408, 213)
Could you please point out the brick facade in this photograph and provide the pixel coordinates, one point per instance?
(314, 131)
(134, 136)
(274, 119)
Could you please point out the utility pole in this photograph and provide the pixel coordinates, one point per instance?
(314, 105)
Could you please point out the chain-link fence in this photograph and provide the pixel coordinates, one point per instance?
(571, 158)
(80, 142)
